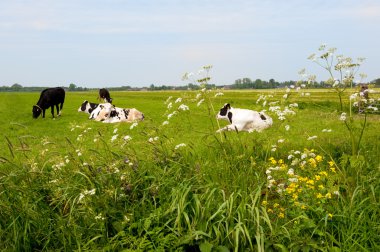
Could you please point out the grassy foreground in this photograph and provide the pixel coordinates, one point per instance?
(170, 183)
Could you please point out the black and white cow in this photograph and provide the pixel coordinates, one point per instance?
(108, 113)
(104, 95)
(49, 97)
(244, 119)
(87, 107)
(102, 111)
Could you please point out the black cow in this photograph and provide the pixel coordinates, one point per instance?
(105, 95)
(49, 97)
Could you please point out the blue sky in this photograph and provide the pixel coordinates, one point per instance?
(95, 43)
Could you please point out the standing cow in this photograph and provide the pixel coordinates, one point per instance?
(105, 95)
(49, 98)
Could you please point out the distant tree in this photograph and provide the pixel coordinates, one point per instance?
(16, 87)
(72, 87)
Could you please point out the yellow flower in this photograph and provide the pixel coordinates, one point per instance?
(270, 210)
(295, 196)
(280, 161)
(319, 158)
(321, 187)
(264, 203)
(281, 215)
(303, 207)
(275, 205)
(328, 195)
(312, 162)
(310, 182)
(272, 160)
(331, 163)
(332, 169)
(330, 215)
(317, 177)
(323, 173)
(319, 196)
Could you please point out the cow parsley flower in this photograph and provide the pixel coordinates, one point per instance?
(114, 137)
(178, 100)
(170, 105)
(99, 217)
(312, 138)
(200, 102)
(127, 138)
(153, 139)
(115, 130)
(179, 146)
(287, 127)
(343, 116)
(280, 140)
(133, 125)
(326, 130)
(165, 123)
(219, 94)
(183, 107)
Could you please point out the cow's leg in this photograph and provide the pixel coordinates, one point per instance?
(229, 127)
(57, 108)
(61, 108)
(52, 110)
(43, 113)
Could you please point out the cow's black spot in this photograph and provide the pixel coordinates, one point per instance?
(230, 117)
(126, 112)
(262, 117)
(114, 113)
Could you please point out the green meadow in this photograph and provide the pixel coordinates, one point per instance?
(171, 183)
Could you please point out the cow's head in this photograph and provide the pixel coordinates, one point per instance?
(135, 115)
(36, 111)
(225, 113)
(84, 107)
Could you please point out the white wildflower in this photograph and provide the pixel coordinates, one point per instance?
(219, 94)
(179, 146)
(326, 130)
(291, 172)
(165, 123)
(198, 96)
(183, 107)
(114, 137)
(133, 125)
(178, 100)
(285, 96)
(99, 217)
(293, 180)
(287, 127)
(127, 138)
(115, 130)
(280, 140)
(200, 102)
(170, 105)
(312, 138)
(343, 116)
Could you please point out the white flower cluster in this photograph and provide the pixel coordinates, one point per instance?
(85, 193)
(179, 146)
(153, 139)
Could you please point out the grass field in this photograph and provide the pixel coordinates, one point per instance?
(171, 183)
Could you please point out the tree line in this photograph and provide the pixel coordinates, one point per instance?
(243, 83)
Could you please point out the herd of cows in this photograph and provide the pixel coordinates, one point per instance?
(104, 112)
(240, 119)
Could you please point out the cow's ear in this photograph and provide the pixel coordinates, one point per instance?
(228, 106)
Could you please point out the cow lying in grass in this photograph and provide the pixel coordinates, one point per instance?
(108, 113)
(244, 119)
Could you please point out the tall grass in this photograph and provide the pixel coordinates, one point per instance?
(75, 184)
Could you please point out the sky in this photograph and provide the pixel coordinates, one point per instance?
(110, 43)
